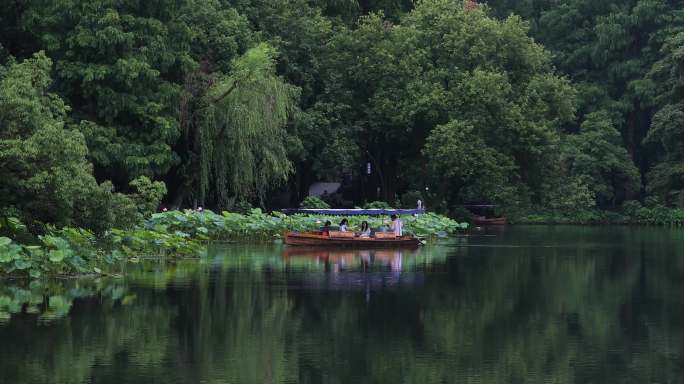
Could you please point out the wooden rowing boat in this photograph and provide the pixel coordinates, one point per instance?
(481, 220)
(337, 239)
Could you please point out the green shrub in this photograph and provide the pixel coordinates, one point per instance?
(243, 207)
(461, 214)
(410, 199)
(148, 194)
(631, 208)
(377, 205)
(314, 202)
(631, 213)
(652, 201)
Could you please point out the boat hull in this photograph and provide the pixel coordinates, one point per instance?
(304, 239)
(492, 221)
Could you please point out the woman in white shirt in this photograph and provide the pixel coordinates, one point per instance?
(343, 225)
(396, 226)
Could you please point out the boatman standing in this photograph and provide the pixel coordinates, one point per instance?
(396, 225)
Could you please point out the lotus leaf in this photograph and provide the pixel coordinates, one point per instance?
(5, 256)
(22, 264)
(15, 306)
(9, 252)
(56, 256)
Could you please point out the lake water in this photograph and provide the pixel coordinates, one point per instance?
(519, 305)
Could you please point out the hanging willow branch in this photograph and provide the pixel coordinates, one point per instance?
(241, 130)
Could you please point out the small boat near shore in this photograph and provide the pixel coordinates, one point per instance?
(347, 239)
(482, 220)
(485, 214)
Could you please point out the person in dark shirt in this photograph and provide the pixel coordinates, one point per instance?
(365, 230)
(325, 230)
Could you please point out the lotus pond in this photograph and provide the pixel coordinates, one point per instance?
(167, 237)
(524, 305)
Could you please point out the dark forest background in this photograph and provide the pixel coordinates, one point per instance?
(532, 105)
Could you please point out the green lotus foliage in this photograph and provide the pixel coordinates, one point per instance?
(173, 236)
(259, 225)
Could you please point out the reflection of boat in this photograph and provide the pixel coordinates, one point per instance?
(343, 239)
(339, 254)
(347, 268)
(328, 254)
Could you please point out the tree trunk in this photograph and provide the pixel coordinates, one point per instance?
(390, 173)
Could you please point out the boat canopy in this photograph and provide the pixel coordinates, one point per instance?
(353, 212)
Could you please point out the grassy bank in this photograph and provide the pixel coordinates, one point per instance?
(165, 236)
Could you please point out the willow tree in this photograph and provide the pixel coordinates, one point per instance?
(240, 130)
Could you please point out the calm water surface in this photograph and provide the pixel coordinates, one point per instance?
(523, 305)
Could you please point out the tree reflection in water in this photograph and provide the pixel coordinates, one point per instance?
(531, 305)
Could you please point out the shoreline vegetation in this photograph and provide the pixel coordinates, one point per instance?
(180, 235)
(631, 213)
(167, 236)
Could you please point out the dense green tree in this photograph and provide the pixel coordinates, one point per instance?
(494, 76)
(463, 165)
(349, 10)
(161, 93)
(111, 61)
(46, 176)
(395, 83)
(123, 64)
(43, 166)
(369, 72)
(666, 176)
(299, 32)
(608, 48)
(596, 154)
(191, 92)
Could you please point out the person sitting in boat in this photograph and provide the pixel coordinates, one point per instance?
(343, 225)
(396, 225)
(365, 230)
(325, 230)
